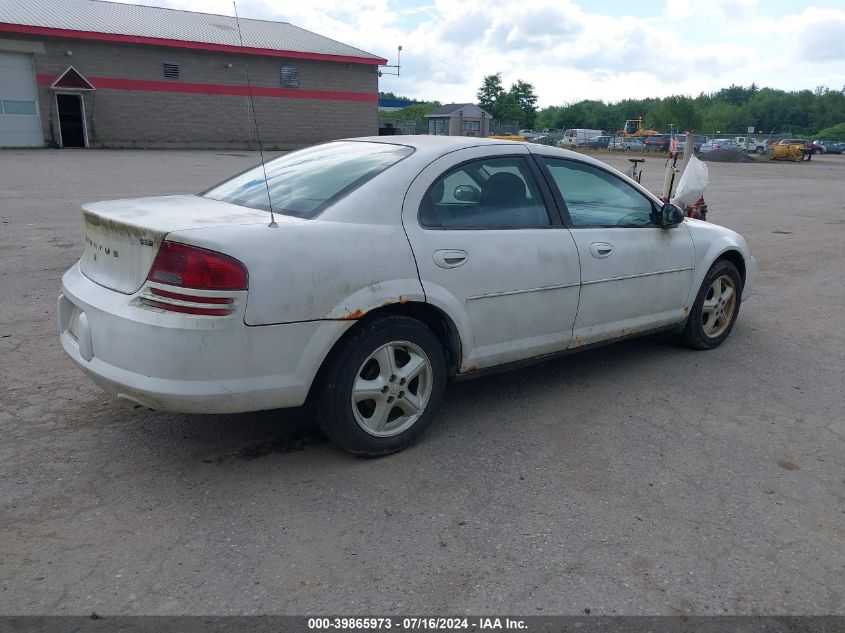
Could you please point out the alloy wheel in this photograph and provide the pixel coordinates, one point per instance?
(392, 388)
(719, 306)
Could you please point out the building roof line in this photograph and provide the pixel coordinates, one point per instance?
(189, 44)
(143, 5)
(163, 25)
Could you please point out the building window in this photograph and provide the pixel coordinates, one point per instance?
(289, 77)
(171, 70)
(17, 107)
(438, 127)
(471, 128)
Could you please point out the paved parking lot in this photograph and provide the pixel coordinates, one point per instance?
(640, 478)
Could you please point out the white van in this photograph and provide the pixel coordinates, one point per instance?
(578, 137)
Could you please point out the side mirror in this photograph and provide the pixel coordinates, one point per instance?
(467, 193)
(670, 215)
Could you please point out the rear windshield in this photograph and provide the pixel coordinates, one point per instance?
(304, 183)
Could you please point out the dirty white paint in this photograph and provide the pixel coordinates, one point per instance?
(514, 295)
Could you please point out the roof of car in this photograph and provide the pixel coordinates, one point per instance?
(431, 141)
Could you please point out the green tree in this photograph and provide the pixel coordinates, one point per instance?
(507, 109)
(393, 95)
(527, 100)
(490, 92)
(833, 133)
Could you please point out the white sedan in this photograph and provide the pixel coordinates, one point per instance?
(392, 267)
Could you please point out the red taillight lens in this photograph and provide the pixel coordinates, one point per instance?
(193, 267)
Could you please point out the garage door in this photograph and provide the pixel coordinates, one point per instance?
(20, 125)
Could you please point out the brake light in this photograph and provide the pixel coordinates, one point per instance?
(193, 267)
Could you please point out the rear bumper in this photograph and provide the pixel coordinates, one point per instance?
(182, 363)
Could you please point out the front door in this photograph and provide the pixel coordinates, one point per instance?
(492, 252)
(635, 275)
(71, 119)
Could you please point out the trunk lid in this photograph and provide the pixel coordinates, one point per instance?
(122, 237)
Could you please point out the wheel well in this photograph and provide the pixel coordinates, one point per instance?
(736, 258)
(436, 320)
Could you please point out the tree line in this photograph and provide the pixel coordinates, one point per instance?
(819, 113)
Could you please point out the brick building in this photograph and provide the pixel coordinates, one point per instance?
(88, 73)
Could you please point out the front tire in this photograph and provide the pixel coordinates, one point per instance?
(382, 387)
(716, 307)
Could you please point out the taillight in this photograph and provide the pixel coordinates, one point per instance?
(193, 267)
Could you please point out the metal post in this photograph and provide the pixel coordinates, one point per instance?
(689, 149)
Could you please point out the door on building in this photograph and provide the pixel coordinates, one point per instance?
(20, 123)
(71, 120)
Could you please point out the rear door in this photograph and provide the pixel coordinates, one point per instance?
(635, 275)
(492, 252)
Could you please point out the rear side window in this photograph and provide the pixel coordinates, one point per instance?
(304, 183)
(493, 193)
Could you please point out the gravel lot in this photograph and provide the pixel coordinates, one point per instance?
(640, 478)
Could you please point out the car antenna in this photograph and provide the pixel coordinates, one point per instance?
(272, 224)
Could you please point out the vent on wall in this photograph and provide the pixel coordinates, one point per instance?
(171, 71)
(289, 77)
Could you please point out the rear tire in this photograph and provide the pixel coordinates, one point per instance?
(715, 308)
(382, 386)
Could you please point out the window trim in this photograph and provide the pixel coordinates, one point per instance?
(561, 202)
(546, 196)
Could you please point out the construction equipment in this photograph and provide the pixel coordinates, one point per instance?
(634, 127)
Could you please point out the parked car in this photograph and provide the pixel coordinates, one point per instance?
(751, 144)
(698, 141)
(363, 275)
(829, 147)
(720, 144)
(633, 143)
(816, 149)
(599, 142)
(578, 137)
(658, 142)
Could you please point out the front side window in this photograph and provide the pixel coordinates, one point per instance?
(304, 183)
(597, 198)
(485, 194)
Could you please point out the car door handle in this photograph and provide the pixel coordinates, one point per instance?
(600, 249)
(450, 259)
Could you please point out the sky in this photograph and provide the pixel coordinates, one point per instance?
(572, 50)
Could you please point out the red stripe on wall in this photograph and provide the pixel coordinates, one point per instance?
(115, 83)
(205, 46)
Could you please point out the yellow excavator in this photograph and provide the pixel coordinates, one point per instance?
(634, 127)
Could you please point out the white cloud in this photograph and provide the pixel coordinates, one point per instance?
(569, 50)
(722, 9)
